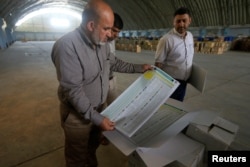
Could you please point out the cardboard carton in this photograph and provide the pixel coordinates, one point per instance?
(180, 151)
(175, 120)
(215, 132)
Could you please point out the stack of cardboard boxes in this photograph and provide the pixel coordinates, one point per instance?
(217, 46)
(130, 45)
(149, 44)
(136, 44)
(211, 47)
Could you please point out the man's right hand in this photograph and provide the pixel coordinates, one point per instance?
(158, 64)
(107, 125)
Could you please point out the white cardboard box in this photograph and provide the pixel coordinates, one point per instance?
(179, 151)
(167, 144)
(145, 126)
(198, 78)
(213, 131)
(162, 129)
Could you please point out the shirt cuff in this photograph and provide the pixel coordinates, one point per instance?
(138, 68)
(96, 118)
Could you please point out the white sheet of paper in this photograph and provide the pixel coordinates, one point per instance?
(140, 101)
(162, 119)
(198, 78)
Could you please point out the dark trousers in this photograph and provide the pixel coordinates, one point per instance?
(180, 92)
(82, 139)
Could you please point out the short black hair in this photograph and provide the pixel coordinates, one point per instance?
(118, 23)
(181, 11)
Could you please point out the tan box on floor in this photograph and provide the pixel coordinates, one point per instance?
(209, 44)
(136, 49)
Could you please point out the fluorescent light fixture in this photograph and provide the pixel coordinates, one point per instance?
(49, 10)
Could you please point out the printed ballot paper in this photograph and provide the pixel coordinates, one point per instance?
(141, 119)
(140, 101)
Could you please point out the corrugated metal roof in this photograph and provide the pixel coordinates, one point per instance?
(144, 14)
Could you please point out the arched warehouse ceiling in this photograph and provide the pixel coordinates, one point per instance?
(144, 14)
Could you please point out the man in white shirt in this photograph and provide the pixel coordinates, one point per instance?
(175, 52)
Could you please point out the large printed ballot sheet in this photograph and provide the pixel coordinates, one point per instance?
(140, 101)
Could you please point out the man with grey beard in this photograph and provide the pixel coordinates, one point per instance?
(82, 61)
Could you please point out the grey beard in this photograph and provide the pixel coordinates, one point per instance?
(102, 43)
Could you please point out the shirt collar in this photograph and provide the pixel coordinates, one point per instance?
(86, 38)
(178, 34)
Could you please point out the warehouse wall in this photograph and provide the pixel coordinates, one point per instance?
(7, 36)
(40, 28)
(210, 32)
(38, 36)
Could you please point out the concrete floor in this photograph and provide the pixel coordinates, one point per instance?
(30, 132)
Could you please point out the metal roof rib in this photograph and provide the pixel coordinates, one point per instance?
(145, 14)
